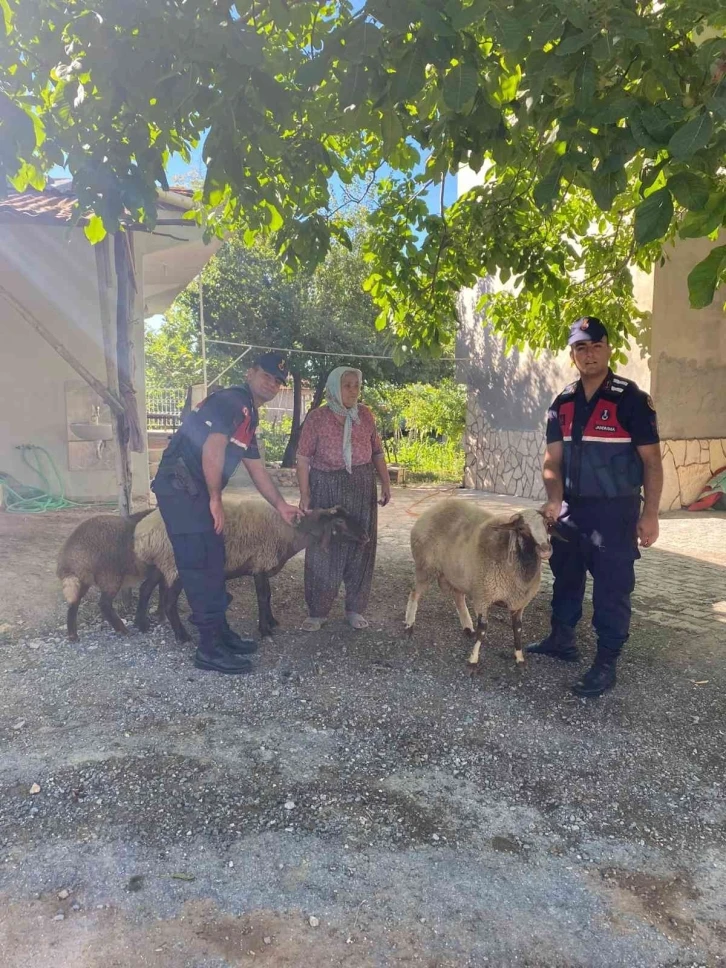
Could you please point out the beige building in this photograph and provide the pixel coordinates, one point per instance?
(51, 274)
(684, 369)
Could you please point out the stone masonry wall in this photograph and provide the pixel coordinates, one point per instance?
(510, 462)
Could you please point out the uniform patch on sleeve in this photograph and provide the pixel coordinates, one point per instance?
(244, 431)
(649, 401)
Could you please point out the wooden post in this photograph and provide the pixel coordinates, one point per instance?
(105, 285)
(123, 365)
(288, 459)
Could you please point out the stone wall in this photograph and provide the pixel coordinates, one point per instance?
(510, 462)
(687, 466)
(502, 461)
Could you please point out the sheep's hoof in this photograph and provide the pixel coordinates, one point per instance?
(72, 636)
(408, 630)
(468, 632)
(519, 660)
(143, 626)
(474, 668)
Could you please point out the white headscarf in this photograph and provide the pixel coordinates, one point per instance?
(335, 402)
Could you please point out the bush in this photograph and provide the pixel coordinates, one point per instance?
(432, 460)
(275, 436)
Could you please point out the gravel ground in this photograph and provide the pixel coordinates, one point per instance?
(360, 800)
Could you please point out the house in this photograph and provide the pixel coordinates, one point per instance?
(72, 325)
(683, 368)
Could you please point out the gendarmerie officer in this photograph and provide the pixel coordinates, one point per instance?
(602, 450)
(195, 467)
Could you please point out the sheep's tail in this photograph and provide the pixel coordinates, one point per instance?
(71, 589)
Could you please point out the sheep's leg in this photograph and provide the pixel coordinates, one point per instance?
(141, 619)
(265, 619)
(413, 599)
(171, 601)
(110, 614)
(72, 614)
(163, 592)
(517, 632)
(481, 628)
(464, 616)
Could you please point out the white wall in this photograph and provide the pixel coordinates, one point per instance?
(54, 276)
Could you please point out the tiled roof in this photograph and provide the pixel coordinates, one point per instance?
(54, 205)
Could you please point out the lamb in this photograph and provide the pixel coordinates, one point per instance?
(257, 542)
(100, 551)
(493, 560)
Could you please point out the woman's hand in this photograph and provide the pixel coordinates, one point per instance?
(304, 503)
(385, 494)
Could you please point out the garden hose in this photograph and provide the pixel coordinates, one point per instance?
(40, 499)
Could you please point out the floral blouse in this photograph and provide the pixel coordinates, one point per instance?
(321, 439)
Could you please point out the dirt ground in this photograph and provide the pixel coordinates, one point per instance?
(361, 800)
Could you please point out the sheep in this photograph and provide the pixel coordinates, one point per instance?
(100, 551)
(493, 560)
(257, 542)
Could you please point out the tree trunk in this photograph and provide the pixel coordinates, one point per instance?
(288, 459)
(320, 390)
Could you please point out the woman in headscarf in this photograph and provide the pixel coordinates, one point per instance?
(338, 458)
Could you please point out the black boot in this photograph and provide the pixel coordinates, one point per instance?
(215, 656)
(599, 677)
(559, 644)
(235, 643)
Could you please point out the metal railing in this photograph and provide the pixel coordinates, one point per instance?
(164, 407)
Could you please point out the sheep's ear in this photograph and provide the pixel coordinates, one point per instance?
(517, 520)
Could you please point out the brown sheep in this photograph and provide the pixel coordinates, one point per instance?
(100, 551)
(491, 559)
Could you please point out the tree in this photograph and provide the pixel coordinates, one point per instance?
(600, 126)
(250, 298)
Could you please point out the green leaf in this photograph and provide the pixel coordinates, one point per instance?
(460, 86)
(354, 86)
(547, 190)
(691, 137)
(7, 16)
(314, 71)
(615, 110)
(391, 129)
(697, 224)
(606, 186)
(512, 29)
(570, 45)
(585, 81)
(95, 230)
(409, 77)
(467, 16)
(689, 190)
(653, 216)
(704, 277)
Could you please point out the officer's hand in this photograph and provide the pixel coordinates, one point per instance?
(288, 513)
(648, 529)
(215, 506)
(551, 511)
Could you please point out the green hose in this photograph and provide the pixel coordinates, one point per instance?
(42, 499)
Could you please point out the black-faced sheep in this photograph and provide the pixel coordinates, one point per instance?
(257, 542)
(100, 551)
(490, 559)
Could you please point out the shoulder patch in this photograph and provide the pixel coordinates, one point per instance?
(649, 401)
(570, 388)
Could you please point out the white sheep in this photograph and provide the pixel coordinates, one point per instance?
(257, 542)
(491, 559)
